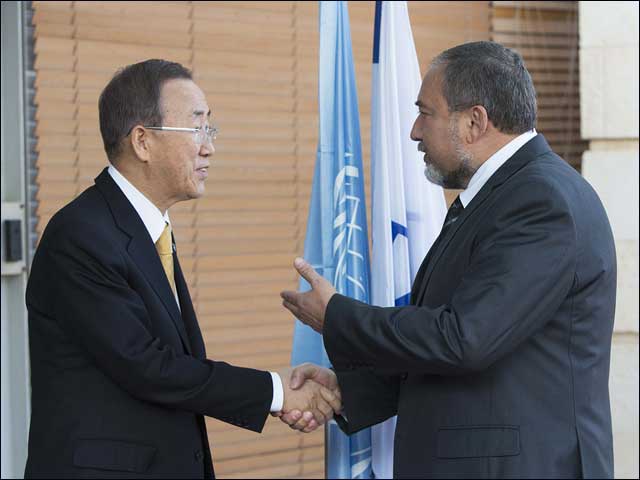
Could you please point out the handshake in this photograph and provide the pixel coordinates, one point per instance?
(311, 397)
(311, 393)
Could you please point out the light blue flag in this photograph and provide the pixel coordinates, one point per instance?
(336, 244)
(407, 210)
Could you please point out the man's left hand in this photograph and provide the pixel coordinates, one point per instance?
(309, 307)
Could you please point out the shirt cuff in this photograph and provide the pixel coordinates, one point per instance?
(278, 393)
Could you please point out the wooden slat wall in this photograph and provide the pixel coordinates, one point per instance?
(258, 64)
(546, 34)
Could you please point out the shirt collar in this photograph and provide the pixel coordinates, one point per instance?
(495, 161)
(153, 219)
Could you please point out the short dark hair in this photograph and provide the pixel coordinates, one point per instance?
(491, 75)
(132, 97)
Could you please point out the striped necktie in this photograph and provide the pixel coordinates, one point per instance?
(165, 251)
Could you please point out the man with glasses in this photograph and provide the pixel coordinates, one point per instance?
(120, 379)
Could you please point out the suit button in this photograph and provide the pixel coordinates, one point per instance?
(404, 376)
(199, 455)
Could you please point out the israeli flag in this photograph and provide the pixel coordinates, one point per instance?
(407, 210)
(336, 243)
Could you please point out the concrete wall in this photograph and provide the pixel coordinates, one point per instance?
(14, 397)
(609, 119)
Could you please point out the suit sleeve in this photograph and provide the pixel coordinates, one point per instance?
(368, 398)
(520, 271)
(88, 294)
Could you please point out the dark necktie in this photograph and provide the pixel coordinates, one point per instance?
(455, 210)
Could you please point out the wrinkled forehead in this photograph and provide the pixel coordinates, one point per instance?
(182, 99)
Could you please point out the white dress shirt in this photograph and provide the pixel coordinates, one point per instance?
(154, 221)
(495, 161)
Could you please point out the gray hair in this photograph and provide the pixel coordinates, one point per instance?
(491, 75)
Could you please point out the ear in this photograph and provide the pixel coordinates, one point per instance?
(140, 143)
(478, 122)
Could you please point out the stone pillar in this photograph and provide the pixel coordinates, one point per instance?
(609, 121)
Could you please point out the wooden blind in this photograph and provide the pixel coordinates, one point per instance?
(257, 62)
(546, 35)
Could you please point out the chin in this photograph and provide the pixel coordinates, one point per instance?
(195, 194)
(200, 191)
(433, 175)
(196, 190)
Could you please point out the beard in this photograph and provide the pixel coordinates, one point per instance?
(454, 179)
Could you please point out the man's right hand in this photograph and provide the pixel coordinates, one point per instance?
(302, 375)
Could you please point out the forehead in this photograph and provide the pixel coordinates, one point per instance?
(431, 89)
(180, 97)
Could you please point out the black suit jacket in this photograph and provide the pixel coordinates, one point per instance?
(500, 366)
(120, 381)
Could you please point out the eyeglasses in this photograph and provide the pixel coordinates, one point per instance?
(201, 134)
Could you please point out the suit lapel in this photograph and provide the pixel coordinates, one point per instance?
(534, 147)
(435, 255)
(419, 280)
(188, 314)
(141, 248)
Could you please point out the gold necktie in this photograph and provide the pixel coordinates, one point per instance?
(163, 245)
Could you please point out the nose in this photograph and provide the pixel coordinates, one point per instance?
(415, 135)
(207, 149)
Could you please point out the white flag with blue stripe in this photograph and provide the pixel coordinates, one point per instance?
(336, 244)
(407, 210)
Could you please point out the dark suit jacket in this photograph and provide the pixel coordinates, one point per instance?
(500, 366)
(120, 381)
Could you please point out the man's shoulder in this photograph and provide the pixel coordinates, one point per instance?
(547, 174)
(540, 188)
(87, 213)
(562, 181)
(83, 230)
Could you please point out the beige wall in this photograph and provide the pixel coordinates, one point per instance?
(609, 119)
